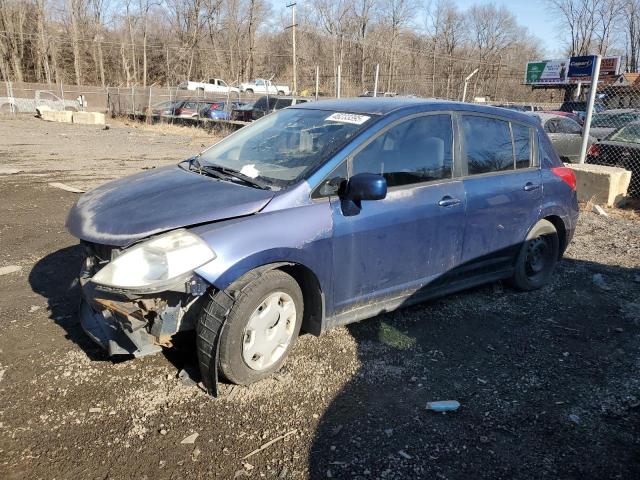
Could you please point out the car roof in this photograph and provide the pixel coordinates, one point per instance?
(388, 105)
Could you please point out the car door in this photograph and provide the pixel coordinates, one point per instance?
(393, 247)
(503, 188)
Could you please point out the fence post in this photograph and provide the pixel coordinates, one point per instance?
(375, 83)
(590, 104)
(148, 116)
(317, 80)
(12, 107)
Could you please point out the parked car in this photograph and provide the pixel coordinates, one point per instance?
(41, 98)
(565, 135)
(573, 116)
(265, 105)
(161, 108)
(520, 107)
(214, 85)
(316, 216)
(263, 87)
(602, 124)
(580, 108)
(188, 108)
(220, 110)
(621, 148)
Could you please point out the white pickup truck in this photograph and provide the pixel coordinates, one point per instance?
(214, 85)
(263, 87)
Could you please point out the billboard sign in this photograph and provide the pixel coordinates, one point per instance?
(546, 72)
(581, 68)
(569, 70)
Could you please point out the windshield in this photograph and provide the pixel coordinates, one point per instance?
(628, 134)
(282, 147)
(608, 120)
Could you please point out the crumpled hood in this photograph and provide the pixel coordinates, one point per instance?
(131, 208)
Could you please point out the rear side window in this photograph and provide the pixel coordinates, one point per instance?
(521, 145)
(417, 150)
(569, 126)
(487, 144)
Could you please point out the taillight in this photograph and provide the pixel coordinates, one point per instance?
(594, 150)
(567, 176)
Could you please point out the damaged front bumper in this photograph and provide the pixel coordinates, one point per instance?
(104, 329)
(128, 322)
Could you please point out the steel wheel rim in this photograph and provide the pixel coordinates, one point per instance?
(538, 253)
(269, 331)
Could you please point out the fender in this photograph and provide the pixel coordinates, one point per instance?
(301, 235)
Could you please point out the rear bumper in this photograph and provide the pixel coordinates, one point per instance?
(104, 328)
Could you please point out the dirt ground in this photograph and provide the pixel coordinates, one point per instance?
(549, 381)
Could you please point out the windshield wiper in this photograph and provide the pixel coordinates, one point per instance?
(230, 172)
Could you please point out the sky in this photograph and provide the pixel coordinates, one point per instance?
(532, 14)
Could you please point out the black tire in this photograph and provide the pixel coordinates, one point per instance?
(280, 92)
(249, 91)
(233, 308)
(538, 257)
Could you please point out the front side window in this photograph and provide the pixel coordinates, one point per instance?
(487, 144)
(414, 151)
(283, 147)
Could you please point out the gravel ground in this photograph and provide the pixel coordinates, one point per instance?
(548, 381)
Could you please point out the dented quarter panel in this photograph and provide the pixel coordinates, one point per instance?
(123, 211)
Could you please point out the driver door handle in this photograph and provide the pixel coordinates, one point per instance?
(448, 201)
(530, 187)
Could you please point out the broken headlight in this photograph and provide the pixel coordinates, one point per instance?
(156, 261)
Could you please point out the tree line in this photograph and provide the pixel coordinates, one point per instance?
(421, 47)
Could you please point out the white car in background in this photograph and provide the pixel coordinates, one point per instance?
(214, 85)
(263, 87)
(42, 99)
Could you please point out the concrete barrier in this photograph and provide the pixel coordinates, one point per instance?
(56, 116)
(89, 118)
(604, 185)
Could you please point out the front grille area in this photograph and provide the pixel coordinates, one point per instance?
(96, 256)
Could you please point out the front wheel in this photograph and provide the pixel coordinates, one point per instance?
(280, 92)
(537, 258)
(261, 327)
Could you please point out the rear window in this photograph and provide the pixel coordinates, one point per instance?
(487, 144)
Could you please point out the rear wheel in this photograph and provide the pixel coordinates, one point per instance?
(261, 326)
(280, 92)
(537, 258)
(249, 91)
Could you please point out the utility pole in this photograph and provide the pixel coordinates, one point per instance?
(293, 41)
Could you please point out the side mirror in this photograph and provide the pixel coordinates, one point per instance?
(366, 186)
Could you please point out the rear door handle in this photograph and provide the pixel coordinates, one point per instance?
(448, 201)
(530, 187)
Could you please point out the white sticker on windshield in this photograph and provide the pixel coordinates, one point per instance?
(347, 118)
(250, 171)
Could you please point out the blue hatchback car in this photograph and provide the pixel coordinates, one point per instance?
(317, 216)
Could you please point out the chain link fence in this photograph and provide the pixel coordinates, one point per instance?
(615, 132)
(614, 136)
